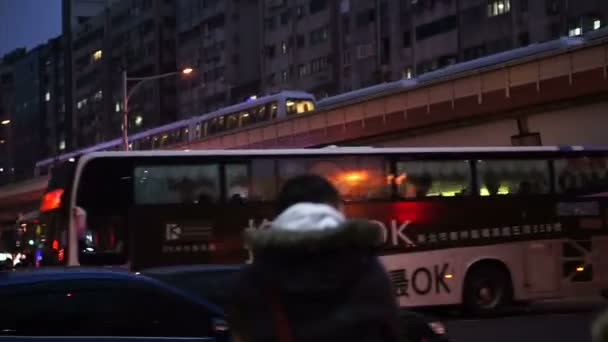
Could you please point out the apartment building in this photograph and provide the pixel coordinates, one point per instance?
(300, 45)
(7, 94)
(327, 47)
(133, 35)
(219, 39)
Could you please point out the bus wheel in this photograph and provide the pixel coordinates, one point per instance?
(487, 288)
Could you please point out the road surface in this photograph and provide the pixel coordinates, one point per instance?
(545, 322)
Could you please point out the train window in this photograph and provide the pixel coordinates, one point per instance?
(175, 137)
(145, 144)
(185, 137)
(272, 111)
(232, 121)
(198, 132)
(216, 125)
(357, 178)
(262, 113)
(173, 184)
(419, 179)
(295, 106)
(155, 142)
(164, 140)
(581, 175)
(513, 177)
(244, 118)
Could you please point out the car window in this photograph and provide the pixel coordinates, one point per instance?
(212, 285)
(101, 308)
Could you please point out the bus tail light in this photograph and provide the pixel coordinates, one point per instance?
(51, 200)
(580, 269)
(448, 276)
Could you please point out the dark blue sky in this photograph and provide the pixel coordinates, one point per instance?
(27, 23)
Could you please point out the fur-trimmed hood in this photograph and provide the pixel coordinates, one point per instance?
(308, 226)
(323, 272)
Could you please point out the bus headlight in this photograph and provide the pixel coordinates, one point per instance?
(437, 327)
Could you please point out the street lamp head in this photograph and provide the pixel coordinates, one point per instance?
(187, 71)
(5, 122)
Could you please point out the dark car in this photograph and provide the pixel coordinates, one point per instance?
(100, 302)
(213, 282)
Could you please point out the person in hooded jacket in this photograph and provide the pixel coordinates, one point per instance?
(599, 329)
(314, 275)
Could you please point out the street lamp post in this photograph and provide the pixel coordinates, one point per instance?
(126, 95)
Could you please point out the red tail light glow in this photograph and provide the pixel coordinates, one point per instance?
(51, 200)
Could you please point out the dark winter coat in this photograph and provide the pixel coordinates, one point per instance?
(328, 283)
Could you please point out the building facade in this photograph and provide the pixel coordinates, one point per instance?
(7, 94)
(220, 40)
(136, 36)
(328, 47)
(300, 45)
(74, 14)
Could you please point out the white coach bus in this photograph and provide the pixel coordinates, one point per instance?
(474, 226)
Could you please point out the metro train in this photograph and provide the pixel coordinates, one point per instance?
(289, 103)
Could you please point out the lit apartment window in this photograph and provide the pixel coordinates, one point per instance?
(97, 55)
(47, 96)
(285, 75)
(98, 95)
(407, 73)
(597, 24)
(117, 107)
(284, 47)
(498, 7)
(575, 31)
(62, 145)
(138, 120)
(303, 70)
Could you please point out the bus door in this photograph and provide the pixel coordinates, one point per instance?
(542, 274)
(582, 266)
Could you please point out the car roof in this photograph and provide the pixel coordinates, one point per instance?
(62, 273)
(170, 270)
(32, 276)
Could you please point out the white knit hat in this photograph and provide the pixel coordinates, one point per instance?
(303, 217)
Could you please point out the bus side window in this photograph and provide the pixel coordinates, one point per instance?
(581, 175)
(419, 179)
(237, 185)
(513, 177)
(263, 179)
(177, 184)
(357, 178)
